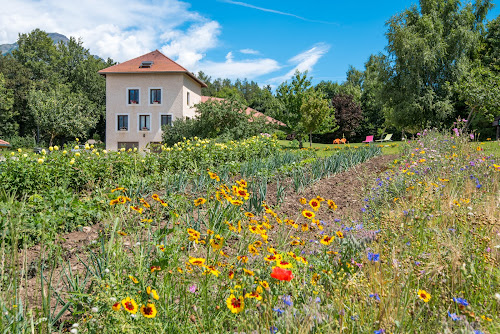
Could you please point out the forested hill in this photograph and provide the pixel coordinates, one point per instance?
(56, 37)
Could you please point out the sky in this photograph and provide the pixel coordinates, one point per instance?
(263, 41)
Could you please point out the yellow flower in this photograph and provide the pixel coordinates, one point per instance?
(248, 272)
(214, 176)
(152, 293)
(40, 161)
(332, 205)
(424, 295)
(135, 280)
(308, 214)
(264, 284)
(255, 295)
(314, 203)
(199, 201)
(234, 304)
(217, 242)
(303, 200)
(197, 261)
(283, 264)
(211, 270)
(130, 305)
(116, 306)
(340, 234)
(148, 310)
(326, 240)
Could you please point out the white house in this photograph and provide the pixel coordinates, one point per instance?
(142, 95)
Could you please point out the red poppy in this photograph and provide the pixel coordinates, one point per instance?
(282, 274)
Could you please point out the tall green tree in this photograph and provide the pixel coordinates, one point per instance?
(316, 115)
(426, 44)
(59, 112)
(8, 125)
(292, 95)
(38, 53)
(480, 90)
(373, 104)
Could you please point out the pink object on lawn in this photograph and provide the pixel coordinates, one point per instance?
(369, 139)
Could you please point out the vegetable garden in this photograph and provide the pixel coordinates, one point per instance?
(196, 239)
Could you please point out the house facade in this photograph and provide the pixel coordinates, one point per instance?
(144, 94)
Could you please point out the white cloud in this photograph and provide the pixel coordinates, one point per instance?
(124, 29)
(304, 61)
(231, 69)
(249, 51)
(189, 47)
(120, 29)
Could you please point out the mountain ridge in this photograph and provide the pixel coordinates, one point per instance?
(56, 37)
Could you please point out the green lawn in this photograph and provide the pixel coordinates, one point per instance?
(392, 147)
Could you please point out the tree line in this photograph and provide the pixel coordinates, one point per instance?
(442, 62)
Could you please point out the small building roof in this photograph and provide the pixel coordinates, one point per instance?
(153, 62)
(248, 111)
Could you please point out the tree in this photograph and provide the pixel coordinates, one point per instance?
(348, 114)
(37, 52)
(316, 115)
(292, 95)
(59, 112)
(228, 119)
(17, 79)
(480, 90)
(8, 125)
(373, 104)
(425, 46)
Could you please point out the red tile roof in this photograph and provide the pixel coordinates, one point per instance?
(248, 111)
(4, 143)
(161, 64)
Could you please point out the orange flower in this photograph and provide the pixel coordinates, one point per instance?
(282, 274)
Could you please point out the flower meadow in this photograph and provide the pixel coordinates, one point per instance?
(420, 254)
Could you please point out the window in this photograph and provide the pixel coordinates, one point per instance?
(128, 145)
(122, 122)
(144, 122)
(146, 64)
(166, 120)
(155, 96)
(188, 100)
(133, 96)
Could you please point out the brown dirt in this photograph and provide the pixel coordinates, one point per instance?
(345, 189)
